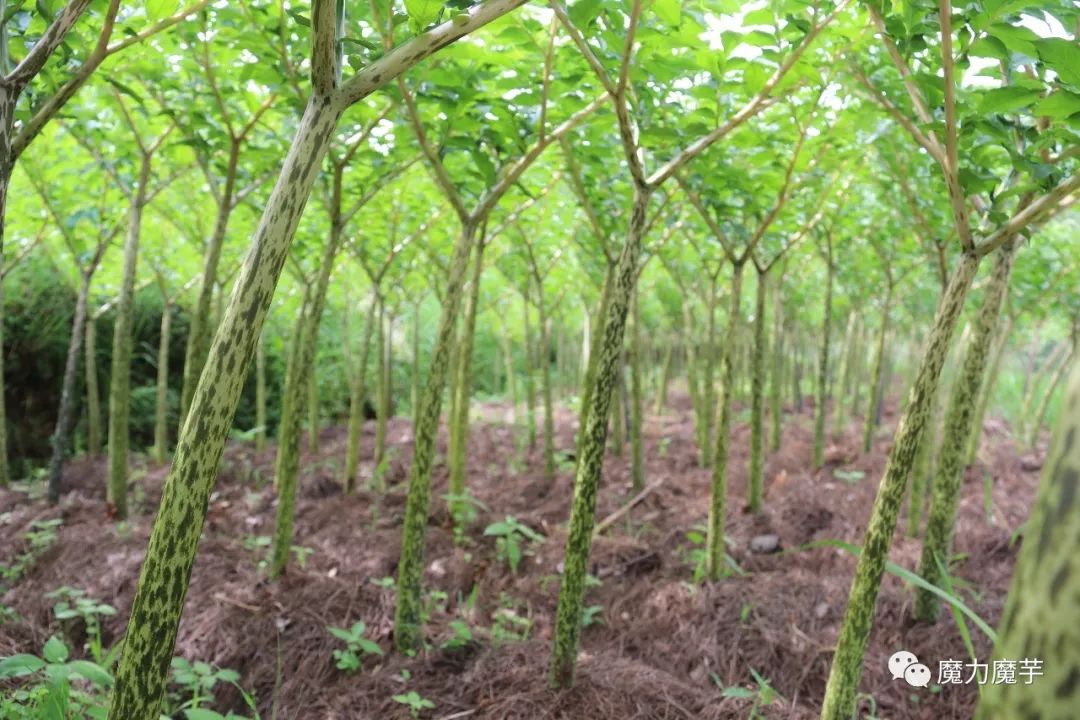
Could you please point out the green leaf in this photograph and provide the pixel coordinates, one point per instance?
(55, 651)
(158, 9)
(584, 12)
(202, 714)
(737, 692)
(22, 664)
(91, 671)
(423, 12)
(1007, 99)
(1063, 56)
(1061, 104)
(669, 11)
(1016, 38)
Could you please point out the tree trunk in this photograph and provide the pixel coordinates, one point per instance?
(66, 416)
(618, 427)
(414, 374)
(463, 387)
(755, 492)
(839, 703)
(591, 457)
(530, 381)
(356, 400)
(408, 613)
(545, 388)
(823, 366)
(637, 409)
(708, 380)
(718, 501)
(313, 409)
(776, 381)
(873, 392)
(1039, 620)
(198, 342)
(945, 494)
(594, 357)
(260, 395)
(166, 570)
(1001, 341)
(93, 397)
(665, 379)
(287, 467)
(843, 377)
(161, 403)
(120, 372)
(1044, 405)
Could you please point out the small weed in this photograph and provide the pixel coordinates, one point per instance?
(73, 604)
(851, 477)
(465, 509)
(357, 647)
(510, 534)
(58, 687)
(764, 694)
(415, 702)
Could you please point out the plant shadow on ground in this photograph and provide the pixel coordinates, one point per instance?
(655, 645)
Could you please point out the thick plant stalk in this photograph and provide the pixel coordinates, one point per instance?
(718, 498)
(459, 439)
(66, 416)
(414, 374)
(530, 381)
(546, 389)
(120, 372)
(637, 410)
(198, 342)
(297, 391)
(313, 411)
(161, 403)
(408, 613)
(591, 458)
(260, 394)
(873, 392)
(840, 692)
(708, 381)
(945, 495)
(1001, 341)
(594, 356)
(386, 393)
(843, 377)
(1039, 620)
(93, 397)
(823, 365)
(618, 426)
(356, 401)
(163, 580)
(777, 376)
(1044, 405)
(755, 492)
(665, 379)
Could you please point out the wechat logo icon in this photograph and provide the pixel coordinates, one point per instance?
(904, 665)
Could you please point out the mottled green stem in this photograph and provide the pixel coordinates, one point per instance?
(313, 409)
(945, 486)
(1039, 620)
(843, 376)
(530, 381)
(756, 492)
(93, 396)
(260, 394)
(718, 497)
(823, 361)
(637, 410)
(594, 355)
(1044, 405)
(665, 378)
(873, 392)
(840, 692)
(407, 615)
(161, 404)
(777, 376)
(120, 371)
(357, 395)
(459, 439)
(591, 459)
(1001, 341)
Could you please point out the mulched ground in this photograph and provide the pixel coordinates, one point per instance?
(661, 647)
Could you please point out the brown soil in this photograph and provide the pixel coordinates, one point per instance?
(663, 646)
